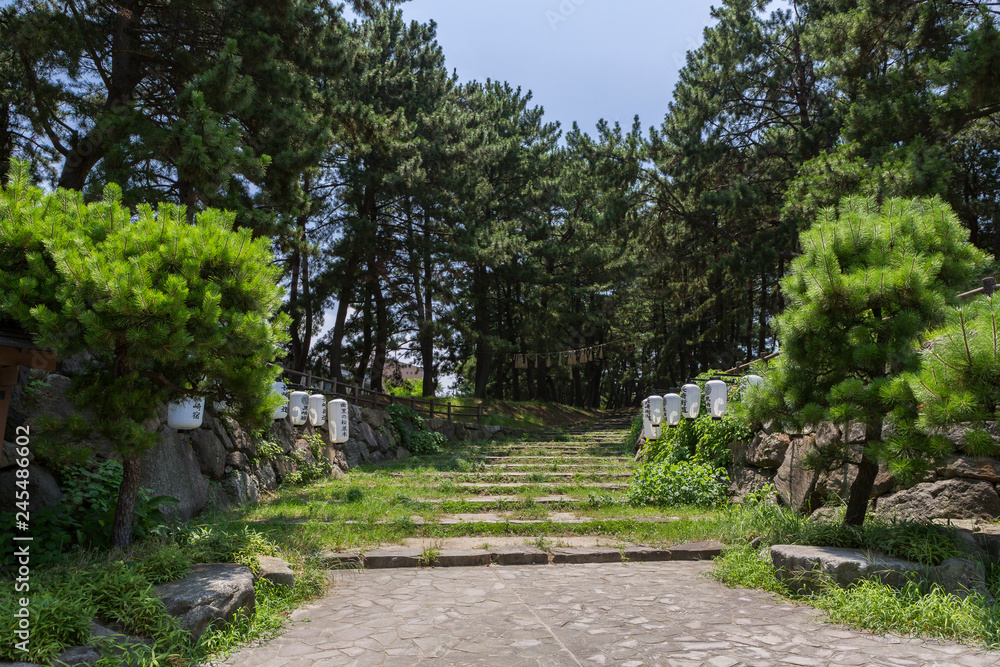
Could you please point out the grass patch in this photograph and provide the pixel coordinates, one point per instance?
(919, 608)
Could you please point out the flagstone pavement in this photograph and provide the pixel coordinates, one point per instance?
(628, 614)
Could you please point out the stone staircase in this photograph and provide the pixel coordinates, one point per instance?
(549, 478)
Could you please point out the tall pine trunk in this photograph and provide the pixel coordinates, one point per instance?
(128, 493)
(484, 355)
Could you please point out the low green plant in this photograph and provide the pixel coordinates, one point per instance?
(163, 563)
(426, 442)
(411, 432)
(56, 621)
(680, 483)
(268, 450)
(704, 440)
(213, 544)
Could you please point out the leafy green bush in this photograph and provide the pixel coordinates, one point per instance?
(703, 439)
(165, 562)
(681, 483)
(309, 469)
(212, 544)
(82, 518)
(418, 440)
(268, 450)
(426, 442)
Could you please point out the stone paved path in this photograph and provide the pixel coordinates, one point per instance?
(630, 614)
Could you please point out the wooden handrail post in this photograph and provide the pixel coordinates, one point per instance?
(479, 413)
(449, 410)
(432, 408)
(413, 403)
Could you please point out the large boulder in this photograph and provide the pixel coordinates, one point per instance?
(367, 434)
(957, 498)
(213, 593)
(171, 469)
(806, 568)
(283, 433)
(795, 484)
(835, 485)
(217, 427)
(973, 467)
(240, 437)
(211, 452)
(42, 487)
(267, 480)
(375, 418)
(767, 451)
(355, 453)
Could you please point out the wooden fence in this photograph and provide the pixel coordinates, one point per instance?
(362, 397)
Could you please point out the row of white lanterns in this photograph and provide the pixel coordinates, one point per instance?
(298, 407)
(670, 409)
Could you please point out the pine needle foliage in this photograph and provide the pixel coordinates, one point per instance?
(959, 378)
(164, 309)
(871, 278)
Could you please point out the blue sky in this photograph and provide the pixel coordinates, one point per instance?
(583, 59)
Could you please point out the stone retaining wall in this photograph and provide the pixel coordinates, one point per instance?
(963, 487)
(220, 464)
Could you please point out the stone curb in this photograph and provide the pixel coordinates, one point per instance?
(520, 555)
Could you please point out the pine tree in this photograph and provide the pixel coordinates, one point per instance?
(165, 309)
(869, 281)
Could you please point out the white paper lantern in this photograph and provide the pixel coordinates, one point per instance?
(340, 420)
(298, 407)
(716, 397)
(650, 431)
(279, 389)
(655, 404)
(749, 381)
(186, 415)
(690, 401)
(672, 409)
(317, 409)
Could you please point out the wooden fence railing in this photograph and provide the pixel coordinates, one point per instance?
(362, 397)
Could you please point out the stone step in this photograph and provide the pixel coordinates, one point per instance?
(554, 519)
(469, 476)
(594, 459)
(516, 555)
(485, 500)
(543, 485)
(548, 467)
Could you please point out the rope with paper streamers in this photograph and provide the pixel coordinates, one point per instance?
(577, 357)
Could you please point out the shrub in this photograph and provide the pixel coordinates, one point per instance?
(418, 440)
(704, 439)
(681, 483)
(83, 516)
(212, 544)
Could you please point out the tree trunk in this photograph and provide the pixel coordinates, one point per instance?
(6, 143)
(861, 489)
(348, 285)
(126, 73)
(426, 304)
(128, 493)
(484, 354)
(381, 339)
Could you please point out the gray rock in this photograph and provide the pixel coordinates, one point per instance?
(376, 458)
(383, 442)
(283, 433)
(276, 570)
(237, 460)
(9, 454)
(283, 466)
(490, 431)
(835, 485)
(241, 487)
(990, 545)
(77, 656)
(49, 399)
(355, 412)
(375, 418)
(973, 467)
(961, 577)
(127, 649)
(827, 434)
(302, 452)
(266, 478)
(42, 488)
(806, 568)
(171, 468)
(220, 432)
(213, 593)
(795, 484)
(460, 434)
(855, 433)
(957, 498)
(747, 480)
(474, 433)
(884, 481)
(211, 452)
(367, 434)
(403, 453)
(768, 451)
(355, 453)
(241, 439)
